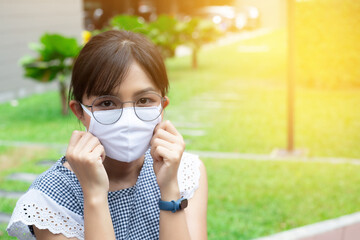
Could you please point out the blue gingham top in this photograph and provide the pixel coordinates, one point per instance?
(55, 202)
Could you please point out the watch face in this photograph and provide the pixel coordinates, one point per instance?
(184, 203)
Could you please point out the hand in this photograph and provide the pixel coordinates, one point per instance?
(167, 147)
(85, 155)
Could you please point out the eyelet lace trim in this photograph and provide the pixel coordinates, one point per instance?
(188, 175)
(35, 208)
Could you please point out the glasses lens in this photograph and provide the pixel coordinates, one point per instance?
(148, 106)
(107, 109)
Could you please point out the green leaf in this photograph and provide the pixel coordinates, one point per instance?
(25, 60)
(37, 47)
(128, 23)
(58, 47)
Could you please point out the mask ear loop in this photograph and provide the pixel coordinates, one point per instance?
(87, 112)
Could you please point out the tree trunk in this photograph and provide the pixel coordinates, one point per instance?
(62, 89)
(194, 58)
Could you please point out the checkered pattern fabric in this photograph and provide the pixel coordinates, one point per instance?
(134, 211)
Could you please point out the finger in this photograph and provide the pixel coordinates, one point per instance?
(75, 136)
(83, 142)
(157, 127)
(91, 144)
(98, 152)
(155, 155)
(171, 128)
(160, 142)
(164, 153)
(163, 134)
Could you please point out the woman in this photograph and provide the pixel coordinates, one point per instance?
(126, 176)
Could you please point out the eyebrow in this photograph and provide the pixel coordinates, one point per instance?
(149, 89)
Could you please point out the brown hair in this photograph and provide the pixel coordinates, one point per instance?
(105, 60)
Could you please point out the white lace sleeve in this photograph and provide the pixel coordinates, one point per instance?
(188, 175)
(36, 208)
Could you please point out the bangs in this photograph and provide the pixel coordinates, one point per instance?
(111, 68)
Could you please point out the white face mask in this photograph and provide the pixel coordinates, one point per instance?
(127, 139)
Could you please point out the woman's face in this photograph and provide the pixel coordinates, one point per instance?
(136, 80)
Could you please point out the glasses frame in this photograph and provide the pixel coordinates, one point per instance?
(163, 99)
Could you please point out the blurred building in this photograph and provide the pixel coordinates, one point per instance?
(272, 12)
(22, 22)
(98, 12)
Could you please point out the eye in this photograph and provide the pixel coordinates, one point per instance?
(107, 103)
(144, 101)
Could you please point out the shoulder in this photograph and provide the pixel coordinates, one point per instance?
(35, 208)
(61, 185)
(191, 169)
(52, 202)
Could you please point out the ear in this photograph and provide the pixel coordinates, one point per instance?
(76, 109)
(166, 102)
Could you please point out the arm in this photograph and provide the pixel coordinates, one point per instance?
(173, 225)
(97, 222)
(191, 222)
(46, 234)
(196, 212)
(97, 218)
(167, 147)
(85, 155)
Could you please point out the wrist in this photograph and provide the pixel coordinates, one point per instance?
(170, 192)
(95, 199)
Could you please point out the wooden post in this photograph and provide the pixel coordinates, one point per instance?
(290, 73)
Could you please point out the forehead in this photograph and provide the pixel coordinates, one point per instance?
(136, 81)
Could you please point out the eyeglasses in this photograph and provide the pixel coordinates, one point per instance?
(108, 109)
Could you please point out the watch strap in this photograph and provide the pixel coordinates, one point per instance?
(173, 206)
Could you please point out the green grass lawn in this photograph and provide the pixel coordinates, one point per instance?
(249, 199)
(3, 233)
(240, 98)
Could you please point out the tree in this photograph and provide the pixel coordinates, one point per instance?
(195, 33)
(55, 59)
(164, 33)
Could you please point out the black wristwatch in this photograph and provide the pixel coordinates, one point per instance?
(173, 205)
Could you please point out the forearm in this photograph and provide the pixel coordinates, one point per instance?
(97, 218)
(173, 225)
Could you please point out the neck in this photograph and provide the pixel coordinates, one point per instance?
(121, 174)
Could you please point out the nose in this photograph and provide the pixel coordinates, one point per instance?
(128, 104)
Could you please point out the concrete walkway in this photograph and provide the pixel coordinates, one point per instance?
(4, 218)
(269, 157)
(10, 195)
(343, 228)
